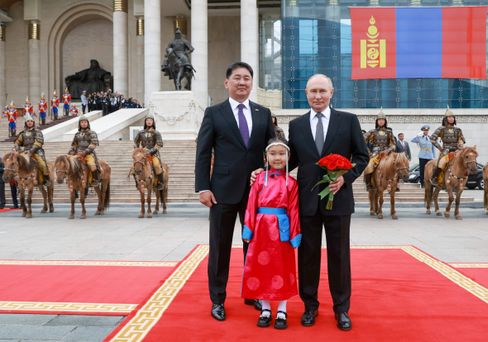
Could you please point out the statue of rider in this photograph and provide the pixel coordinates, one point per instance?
(182, 49)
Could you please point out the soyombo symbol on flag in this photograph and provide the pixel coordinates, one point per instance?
(420, 42)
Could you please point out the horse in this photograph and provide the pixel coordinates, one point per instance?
(143, 173)
(391, 168)
(462, 163)
(485, 189)
(72, 169)
(178, 69)
(24, 168)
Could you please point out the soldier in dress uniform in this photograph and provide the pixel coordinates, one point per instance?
(54, 105)
(74, 110)
(84, 143)
(66, 101)
(42, 109)
(150, 139)
(379, 139)
(452, 140)
(11, 113)
(28, 108)
(31, 140)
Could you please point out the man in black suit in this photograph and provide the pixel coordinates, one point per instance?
(402, 146)
(237, 130)
(322, 131)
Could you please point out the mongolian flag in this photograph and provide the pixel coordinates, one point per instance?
(419, 42)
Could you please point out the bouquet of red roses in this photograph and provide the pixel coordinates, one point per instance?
(335, 166)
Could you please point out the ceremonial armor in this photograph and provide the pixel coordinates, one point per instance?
(451, 136)
(150, 139)
(85, 141)
(32, 140)
(380, 139)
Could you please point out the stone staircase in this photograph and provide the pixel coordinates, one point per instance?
(180, 156)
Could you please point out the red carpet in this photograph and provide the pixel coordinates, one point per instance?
(62, 285)
(4, 210)
(396, 297)
(477, 272)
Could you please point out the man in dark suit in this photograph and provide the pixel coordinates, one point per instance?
(237, 130)
(402, 146)
(322, 131)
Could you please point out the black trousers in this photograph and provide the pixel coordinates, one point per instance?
(222, 222)
(2, 193)
(422, 163)
(338, 260)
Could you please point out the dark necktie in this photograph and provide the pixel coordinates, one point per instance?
(319, 133)
(243, 127)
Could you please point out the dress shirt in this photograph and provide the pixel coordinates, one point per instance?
(325, 121)
(246, 110)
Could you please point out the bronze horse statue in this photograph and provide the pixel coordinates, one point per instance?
(178, 68)
(485, 190)
(72, 169)
(462, 163)
(145, 179)
(390, 170)
(24, 168)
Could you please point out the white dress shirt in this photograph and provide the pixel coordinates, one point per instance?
(246, 110)
(325, 121)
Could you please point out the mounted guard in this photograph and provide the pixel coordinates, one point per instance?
(452, 140)
(31, 140)
(150, 139)
(380, 142)
(84, 143)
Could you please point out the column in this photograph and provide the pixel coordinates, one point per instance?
(120, 46)
(250, 39)
(3, 89)
(199, 57)
(34, 60)
(140, 58)
(152, 48)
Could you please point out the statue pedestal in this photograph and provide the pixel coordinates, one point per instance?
(177, 114)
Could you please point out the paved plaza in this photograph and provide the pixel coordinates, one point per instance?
(120, 235)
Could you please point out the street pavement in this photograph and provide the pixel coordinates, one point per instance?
(120, 235)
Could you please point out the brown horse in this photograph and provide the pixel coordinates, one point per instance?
(143, 173)
(391, 168)
(485, 180)
(71, 168)
(462, 164)
(24, 169)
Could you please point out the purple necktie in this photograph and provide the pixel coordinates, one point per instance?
(243, 128)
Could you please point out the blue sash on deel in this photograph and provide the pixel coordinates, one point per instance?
(283, 221)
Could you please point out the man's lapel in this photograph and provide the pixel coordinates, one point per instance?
(257, 118)
(306, 130)
(334, 121)
(228, 115)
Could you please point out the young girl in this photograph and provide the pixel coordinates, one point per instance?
(272, 227)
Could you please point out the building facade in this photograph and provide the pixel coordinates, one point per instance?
(43, 41)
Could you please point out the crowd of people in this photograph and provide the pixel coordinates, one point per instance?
(109, 102)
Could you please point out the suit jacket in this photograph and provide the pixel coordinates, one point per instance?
(344, 137)
(406, 149)
(233, 162)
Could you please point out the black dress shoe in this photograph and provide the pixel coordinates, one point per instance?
(218, 312)
(280, 323)
(264, 321)
(343, 321)
(308, 317)
(254, 302)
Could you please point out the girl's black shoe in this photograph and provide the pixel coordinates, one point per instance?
(280, 323)
(264, 321)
